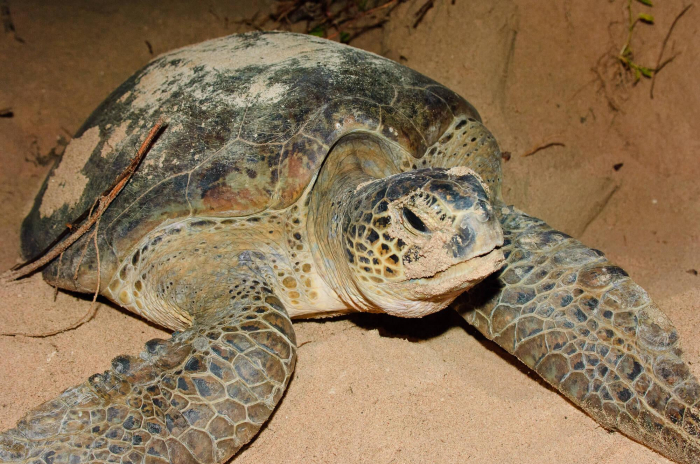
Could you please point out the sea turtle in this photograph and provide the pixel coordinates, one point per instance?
(297, 178)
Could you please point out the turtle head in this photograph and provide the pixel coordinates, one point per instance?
(416, 240)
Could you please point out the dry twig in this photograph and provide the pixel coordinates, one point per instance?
(101, 205)
(87, 317)
(659, 65)
(422, 12)
(542, 147)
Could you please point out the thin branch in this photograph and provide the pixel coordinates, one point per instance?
(87, 317)
(422, 12)
(82, 254)
(58, 273)
(102, 203)
(542, 147)
(666, 61)
(663, 48)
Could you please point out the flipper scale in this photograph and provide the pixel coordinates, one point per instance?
(196, 398)
(581, 323)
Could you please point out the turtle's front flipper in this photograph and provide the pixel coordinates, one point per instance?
(583, 325)
(196, 398)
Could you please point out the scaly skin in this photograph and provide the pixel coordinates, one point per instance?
(583, 325)
(197, 398)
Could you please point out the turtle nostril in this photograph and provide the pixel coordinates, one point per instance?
(484, 211)
(414, 220)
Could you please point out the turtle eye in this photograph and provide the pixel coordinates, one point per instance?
(414, 220)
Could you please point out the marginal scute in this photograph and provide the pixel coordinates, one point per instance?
(576, 385)
(258, 413)
(532, 350)
(671, 370)
(200, 443)
(675, 411)
(234, 411)
(655, 331)
(625, 295)
(221, 428)
(528, 326)
(553, 368)
(657, 397)
(178, 453)
(689, 391)
(502, 316)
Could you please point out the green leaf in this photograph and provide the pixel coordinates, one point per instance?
(318, 31)
(647, 18)
(646, 2)
(646, 72)
(344, 37)
(637, 74)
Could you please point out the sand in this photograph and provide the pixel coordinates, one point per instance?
(373, 388)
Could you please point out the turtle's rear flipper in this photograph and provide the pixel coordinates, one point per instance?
(583, 325)
(196, 398)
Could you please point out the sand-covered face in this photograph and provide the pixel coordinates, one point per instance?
(416, 240)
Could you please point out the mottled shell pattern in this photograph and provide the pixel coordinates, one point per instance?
(250, 120)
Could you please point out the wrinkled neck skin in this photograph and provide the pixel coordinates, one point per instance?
(325, 228)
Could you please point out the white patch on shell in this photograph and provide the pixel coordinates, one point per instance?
(67, 183)
(117, 137)
(261, 92)
(157, 155)
(155, 86)
(226, 55)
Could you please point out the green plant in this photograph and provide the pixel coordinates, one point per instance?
(626, 56)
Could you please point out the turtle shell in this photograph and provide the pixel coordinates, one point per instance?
(250, 119)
